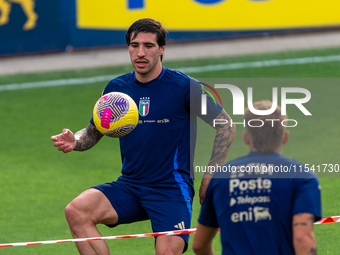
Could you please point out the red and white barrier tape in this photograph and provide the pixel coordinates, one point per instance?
(168, 233)
(324, 220)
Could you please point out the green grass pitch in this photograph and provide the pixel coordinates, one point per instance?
(37, 181)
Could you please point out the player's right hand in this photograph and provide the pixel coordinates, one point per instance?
(65, 141)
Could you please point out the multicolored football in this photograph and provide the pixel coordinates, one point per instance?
(115, 114)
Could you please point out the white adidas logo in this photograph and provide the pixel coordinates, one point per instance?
(180, 225)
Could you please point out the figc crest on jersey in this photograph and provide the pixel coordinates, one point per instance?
(144, 107)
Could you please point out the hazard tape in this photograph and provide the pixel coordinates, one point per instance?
(325, 220)
(167, 233)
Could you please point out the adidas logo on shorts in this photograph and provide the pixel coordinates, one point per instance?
(180, 225)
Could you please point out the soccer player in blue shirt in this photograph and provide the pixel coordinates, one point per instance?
(267, 203)
(155, 183)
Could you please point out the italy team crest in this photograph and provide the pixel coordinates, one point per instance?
(144, 107)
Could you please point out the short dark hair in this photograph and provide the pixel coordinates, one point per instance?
(147, 26)
(266, 139)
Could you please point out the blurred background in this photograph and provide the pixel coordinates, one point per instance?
(77, 26)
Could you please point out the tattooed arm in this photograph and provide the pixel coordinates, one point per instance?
(83, 140)
(303, 234)
(225, 134)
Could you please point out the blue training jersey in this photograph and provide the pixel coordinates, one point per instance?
(158, 150)
(254, 208)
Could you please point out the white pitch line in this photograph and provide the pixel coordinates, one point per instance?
(56, 83)
(265, 63)
(187, 70)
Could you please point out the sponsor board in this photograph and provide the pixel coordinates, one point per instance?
(207, 15)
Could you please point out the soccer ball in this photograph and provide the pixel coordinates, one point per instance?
(115, 114)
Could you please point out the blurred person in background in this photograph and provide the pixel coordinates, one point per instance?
(261, 207)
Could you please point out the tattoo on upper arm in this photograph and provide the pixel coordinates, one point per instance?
(87, 138)
(300, 223)
(312, 218)
(313, 251)
(305, 223)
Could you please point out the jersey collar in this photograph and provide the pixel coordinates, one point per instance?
(149, 83)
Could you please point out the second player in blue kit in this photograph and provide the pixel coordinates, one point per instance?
(264, 203)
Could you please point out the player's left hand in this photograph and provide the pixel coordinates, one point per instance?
(203, 189)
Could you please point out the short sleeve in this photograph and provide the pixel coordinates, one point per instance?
(308, 197)
(208, 215)
(213, 108)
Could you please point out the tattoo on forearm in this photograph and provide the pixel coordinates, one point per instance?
(313, 251)
(87, 138)
(312, 218)
(223, 140)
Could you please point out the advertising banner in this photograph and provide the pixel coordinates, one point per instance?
(32, 26)
(209, 15)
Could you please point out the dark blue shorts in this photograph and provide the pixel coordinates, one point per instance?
(168, 207)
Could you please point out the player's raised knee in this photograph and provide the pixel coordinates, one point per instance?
(73, 214)
(76, 212)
